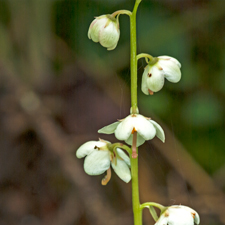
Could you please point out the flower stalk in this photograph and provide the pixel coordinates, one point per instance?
(126, 12)
(135, 191)
(135, 129)
(147, 57)
(134, 109)
(133, 57)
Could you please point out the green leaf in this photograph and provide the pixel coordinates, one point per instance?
(109, 129)
(153, 213)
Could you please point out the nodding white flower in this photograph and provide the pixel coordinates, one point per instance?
(105, 30)
(155, 74)
(99, 157)
(135, 124)
(178, 215)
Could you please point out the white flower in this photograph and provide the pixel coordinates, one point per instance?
(105, 30)
(146, 129)
(178, 215)
(154, 75)
(98, 159)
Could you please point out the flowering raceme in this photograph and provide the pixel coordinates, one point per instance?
(155, 74)
(178, 215)
(145, 128)
(105, 30)
(99, 157)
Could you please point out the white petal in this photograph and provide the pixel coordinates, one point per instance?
(109, 129)
(144, 86)
(122, 170)
(162, 221)
(159, 131)
(124, 156)
(124, 129)
(170, 58)
(142, 125)
(88, 148)
(189, 210)
(197, 218)
(97, 162)
(140, 140)
(109, 36)
(180, 216)
(155, 79)
(171, 69)
(94, 32)
(97, 27)
(90, 28)
(112, 47)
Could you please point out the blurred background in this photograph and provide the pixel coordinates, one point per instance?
(57, 88)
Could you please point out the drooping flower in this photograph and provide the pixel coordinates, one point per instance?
(178, 215)
(99, 158)
(143, 127)
(105, 30)
(155, 74)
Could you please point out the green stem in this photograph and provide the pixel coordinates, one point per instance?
(134, 109)
(135, 191)
(157, 205)
(119, 145)
(123, 11)
(145, 55)
(133, 57)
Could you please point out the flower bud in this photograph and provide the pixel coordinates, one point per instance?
(105, 30)
(178, 214)
(154, 75)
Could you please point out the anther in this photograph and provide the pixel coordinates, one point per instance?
(96, 147)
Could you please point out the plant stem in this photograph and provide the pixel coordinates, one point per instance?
(127, 12)
(145, 55)
(135, 191)
(133, 57)
(147, 204)
(134, 109)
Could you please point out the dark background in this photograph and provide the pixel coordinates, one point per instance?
(57, 88)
